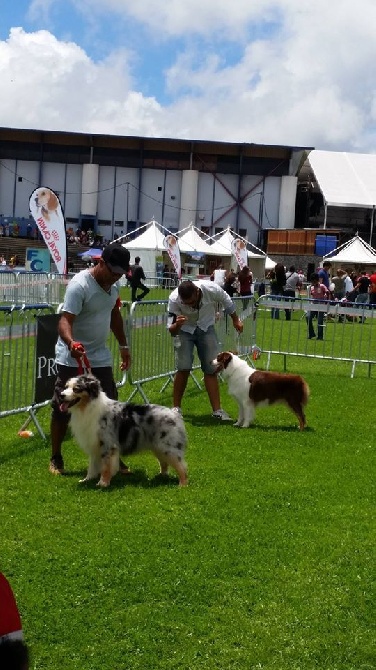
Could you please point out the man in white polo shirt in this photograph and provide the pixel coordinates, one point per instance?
(191, 317)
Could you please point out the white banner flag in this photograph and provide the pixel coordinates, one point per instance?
(47, 213)
(239, 250)
(171, 245)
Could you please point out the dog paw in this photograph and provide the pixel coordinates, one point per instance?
(237, 423)
(102, 483)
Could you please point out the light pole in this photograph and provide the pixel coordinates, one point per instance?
(127, 206)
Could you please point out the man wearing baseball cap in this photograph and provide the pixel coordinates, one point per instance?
(91, 309)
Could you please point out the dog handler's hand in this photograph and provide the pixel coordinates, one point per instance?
(77, 350)
(237, 323)
(175, 327)
(180, 320)
(125, 358)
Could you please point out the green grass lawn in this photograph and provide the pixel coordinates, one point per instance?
(266, 560)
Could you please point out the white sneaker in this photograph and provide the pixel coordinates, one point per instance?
(177, 410)
(221, 415)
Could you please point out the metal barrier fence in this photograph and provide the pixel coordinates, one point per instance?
(22, 365)
(152, 346)
(17, 358)
(155, 281)
(348, 330)
(17, 288)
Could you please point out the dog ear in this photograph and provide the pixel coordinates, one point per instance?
(52, 201)
(227, 356)
(92, 386)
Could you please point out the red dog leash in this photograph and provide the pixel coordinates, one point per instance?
(82, 361)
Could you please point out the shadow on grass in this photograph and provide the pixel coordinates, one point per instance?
(282, 429)
(205, 420)
(208, 421)
(30, 445)
(136, 478)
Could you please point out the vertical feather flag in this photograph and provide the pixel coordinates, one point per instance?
(171, 245)
(47, 212)
(239, 250)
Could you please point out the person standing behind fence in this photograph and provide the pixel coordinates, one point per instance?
(245, 279)
(90, 311)
(277, 285)
(349, 286)
(192, 311)
(324, 273)
(338, 280)
(372, 290)
(362, 285)
(138, 276)
(319, 293)
(231, 284)
(293, 284)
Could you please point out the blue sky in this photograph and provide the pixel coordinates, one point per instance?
(266, 71)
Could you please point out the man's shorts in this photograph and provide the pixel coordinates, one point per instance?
(105, 376)
(206, 344)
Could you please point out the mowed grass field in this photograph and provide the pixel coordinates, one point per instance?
(266, 560)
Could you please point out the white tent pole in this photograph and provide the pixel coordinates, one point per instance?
(372, 220)
(325, 213)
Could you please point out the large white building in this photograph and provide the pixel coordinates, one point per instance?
(114, 184)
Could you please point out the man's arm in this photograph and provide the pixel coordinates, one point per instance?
(65, 330)
(117, 327)
(236, 322)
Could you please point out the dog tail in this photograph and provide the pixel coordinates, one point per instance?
(305, 392)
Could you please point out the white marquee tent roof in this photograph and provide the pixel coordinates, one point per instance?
(354, 252)
(345, 179)
(222, 245)
(189, 241)
(151, 238)
(269, 263)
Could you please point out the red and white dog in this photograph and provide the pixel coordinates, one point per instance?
(253, 388)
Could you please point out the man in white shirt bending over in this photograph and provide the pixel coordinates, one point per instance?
(191, 317)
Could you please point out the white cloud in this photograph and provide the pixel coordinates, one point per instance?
(49, 84)
(309, 82)
(178, 18)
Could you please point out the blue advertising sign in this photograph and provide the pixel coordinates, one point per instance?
(37, 260)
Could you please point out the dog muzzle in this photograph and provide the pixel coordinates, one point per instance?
(65, 406)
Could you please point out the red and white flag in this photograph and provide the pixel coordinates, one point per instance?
(239, 250)
(171, 245)
(47, 213)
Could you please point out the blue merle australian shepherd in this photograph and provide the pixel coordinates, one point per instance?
(106, 428)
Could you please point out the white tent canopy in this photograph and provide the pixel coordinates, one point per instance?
(345, 179)
(222, 247)
(269, 264)
(148, 245)
(354, 252)
(190, 241)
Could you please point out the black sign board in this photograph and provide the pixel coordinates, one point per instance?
(45, 368)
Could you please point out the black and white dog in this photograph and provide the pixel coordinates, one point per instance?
(106, 428)
(252, 388)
